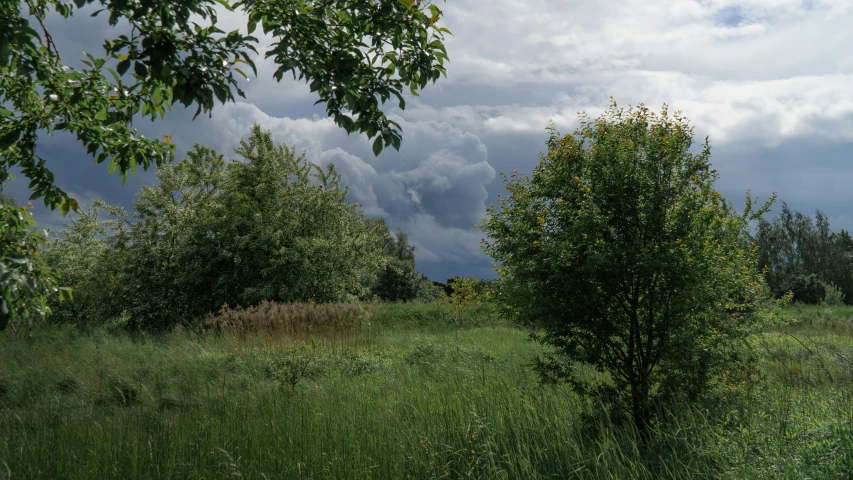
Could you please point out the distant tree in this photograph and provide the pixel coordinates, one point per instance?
(398, 279)
(428, 291)
(621, 250)
(6, 199)
(802, 255)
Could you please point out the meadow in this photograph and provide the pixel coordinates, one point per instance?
(401, 391)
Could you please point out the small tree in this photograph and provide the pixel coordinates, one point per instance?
(398, 280)
(621, 250)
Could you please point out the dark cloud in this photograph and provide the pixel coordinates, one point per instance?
(769, 81)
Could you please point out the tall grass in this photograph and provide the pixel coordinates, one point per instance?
(412, 400)
(338, 323)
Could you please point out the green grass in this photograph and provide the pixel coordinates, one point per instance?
(411, 398)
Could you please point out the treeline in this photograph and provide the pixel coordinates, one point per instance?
(799, 254)
(270, 226)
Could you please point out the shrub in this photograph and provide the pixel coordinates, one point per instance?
(833, 296)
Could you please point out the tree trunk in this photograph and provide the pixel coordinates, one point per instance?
(640, 406)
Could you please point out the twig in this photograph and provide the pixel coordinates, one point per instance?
(51, 45)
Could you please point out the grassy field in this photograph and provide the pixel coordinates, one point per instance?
(416, 392)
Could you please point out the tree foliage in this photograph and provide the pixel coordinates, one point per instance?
(90, 252)
(637, 270)
(26, 280)
(802, 255)
(354, 54)
(271, 226)
(398, 280)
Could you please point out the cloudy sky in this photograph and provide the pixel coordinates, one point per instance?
(771, 82)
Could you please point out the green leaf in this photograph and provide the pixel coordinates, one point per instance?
(157, 96)
(377, 146)
(122, 67)
(140, 69)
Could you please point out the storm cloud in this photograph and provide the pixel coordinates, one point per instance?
(770, 81)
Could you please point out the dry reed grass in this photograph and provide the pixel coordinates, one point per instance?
(292, 321)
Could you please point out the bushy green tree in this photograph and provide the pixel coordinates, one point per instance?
(619, 247)
(270, 226)
(427, 291)
(354, 54)
(91, 254)
(398, 280)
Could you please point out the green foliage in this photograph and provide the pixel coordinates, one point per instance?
(802, 255)
(398, 280)
(354, 54)
(635, 267)
(273, 227)
(89, 252)
(833, 296)
(437, 316)
(807, 289)
(427, 291)
(26, 280)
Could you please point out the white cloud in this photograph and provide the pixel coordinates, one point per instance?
(755, 75)
(438, 178)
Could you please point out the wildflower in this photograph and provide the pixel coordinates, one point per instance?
(53, 97)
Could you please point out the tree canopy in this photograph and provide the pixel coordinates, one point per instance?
(354, 54)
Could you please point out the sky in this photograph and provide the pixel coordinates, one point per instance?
(769, 81)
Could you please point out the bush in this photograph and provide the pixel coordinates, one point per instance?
(833, 296)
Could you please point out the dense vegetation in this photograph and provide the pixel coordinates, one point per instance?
(803, 256)
(244, 319)
(271, 226)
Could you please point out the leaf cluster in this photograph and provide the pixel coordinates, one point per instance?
(26, 280)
